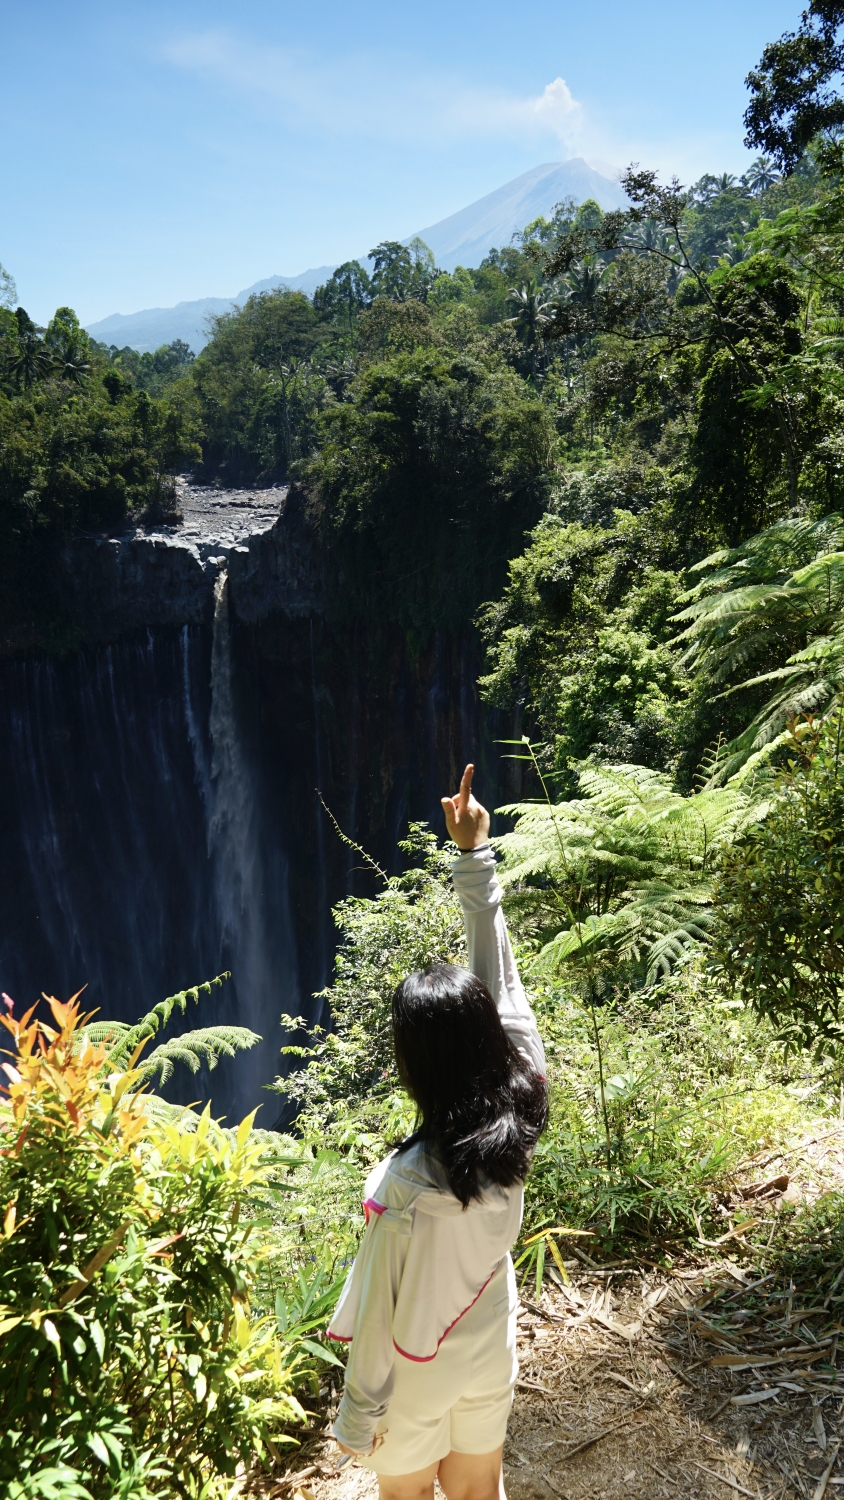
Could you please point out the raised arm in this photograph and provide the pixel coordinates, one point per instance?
(479, 894)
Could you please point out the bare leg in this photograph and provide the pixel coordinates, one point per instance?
(418, 1486)
(473, 1476)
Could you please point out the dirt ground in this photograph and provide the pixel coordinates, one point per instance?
(702, 1381)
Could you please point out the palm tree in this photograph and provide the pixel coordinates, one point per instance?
(339, 373)
(583, 279)
(761, 175)
(648, 236)
(31, 360)
(70, 361)
(531, 317)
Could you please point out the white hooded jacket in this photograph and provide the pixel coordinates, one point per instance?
(424, 1259)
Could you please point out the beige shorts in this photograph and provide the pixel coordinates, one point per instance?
(459, 1401)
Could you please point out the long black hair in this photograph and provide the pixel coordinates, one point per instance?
(482, 1107)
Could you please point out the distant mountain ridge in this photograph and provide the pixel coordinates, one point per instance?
(464, 238)
(187, 320)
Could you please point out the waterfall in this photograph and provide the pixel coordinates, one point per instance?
(249, 902)
(141, 854)
(233, 815)
(100, 822)
(157, 813)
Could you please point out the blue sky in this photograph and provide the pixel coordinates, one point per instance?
(155, 152)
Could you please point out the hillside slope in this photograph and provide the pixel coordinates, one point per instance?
(465, 238)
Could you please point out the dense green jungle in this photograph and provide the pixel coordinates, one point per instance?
(616, 447)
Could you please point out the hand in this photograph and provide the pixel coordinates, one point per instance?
(353, 1452)
(467, 822)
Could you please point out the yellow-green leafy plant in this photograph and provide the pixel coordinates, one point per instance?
(130, 1364)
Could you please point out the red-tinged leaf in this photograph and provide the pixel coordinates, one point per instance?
(72, 1111)
(160, 1245)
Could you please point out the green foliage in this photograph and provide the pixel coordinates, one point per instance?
(679, 340)
(79, 448)
(807, 1245)
(692, 1085)
(655, 1096)
(402, 273)
(792, 100)
(530, 317)
(258, 391)
(757, 409)
(154, 371)
(766, 615)
(780, 931)
(581, 628)
(389, 327)
(426, 477)
(129, 1253)
(623, 876)
(344, 296)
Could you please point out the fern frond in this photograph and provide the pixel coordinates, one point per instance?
(128, 1038)
(281, 1149)
(193, 1048)
(770, 614)
(106, 1034)
(637, 847)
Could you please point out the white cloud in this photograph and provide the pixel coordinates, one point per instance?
(557, 108)
(363, 95)
(553, 113)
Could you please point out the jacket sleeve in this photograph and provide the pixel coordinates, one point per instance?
(490, 954)
(370, 1369)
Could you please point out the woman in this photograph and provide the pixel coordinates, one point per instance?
(429, 1308)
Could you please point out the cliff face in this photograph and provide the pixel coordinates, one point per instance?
(165, 576)
(158, 788)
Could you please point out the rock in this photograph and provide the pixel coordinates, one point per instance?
(165, 575)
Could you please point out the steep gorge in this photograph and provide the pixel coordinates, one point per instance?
(158, 785)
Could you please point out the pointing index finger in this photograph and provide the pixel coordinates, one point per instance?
(465, 788)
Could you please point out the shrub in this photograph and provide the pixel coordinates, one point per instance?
(780, 899)
(692, 1084)
(130, 1364)
(414, 921)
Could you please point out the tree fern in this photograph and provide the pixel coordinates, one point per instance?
(625, 872)
(770, 614)
(192, 1048)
